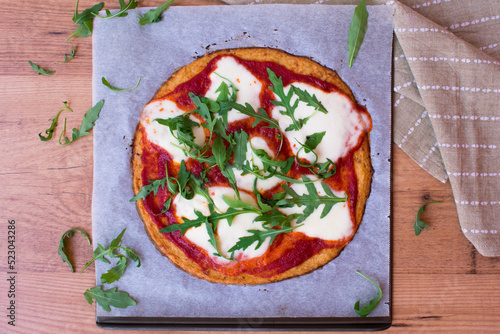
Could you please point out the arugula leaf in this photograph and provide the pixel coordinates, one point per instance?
(87, 124)
(224, 94)
(285, 100)
(259, 236)
(115, 273)
(325, 169)
(87, 14)
(202, 109)
(312, 141)
(311, 101)
(154, 15)
(275, 218)
(107, 84)
(189, 184)
(219, 152)
(186, 225)
(40, 70)
(132, 255)
(357, 30)
(107, 298)
(420, 225)
(260, 115)
(240, 149)
(69, 234)
(264, 207)
(116, 241)
(50, 131)
(153, 187)
(311, 200)
(224, 97)
(212, 219)
(100, 252)
(237, 203)
(229, 215)
(122, 12)
(84, 20)
(373, 303)
(183, 127)
(71, 55)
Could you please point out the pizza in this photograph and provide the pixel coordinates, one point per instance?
(251, 166)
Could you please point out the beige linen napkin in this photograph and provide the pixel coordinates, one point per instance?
(446, 101)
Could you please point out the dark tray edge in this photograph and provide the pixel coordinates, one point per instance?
(250, 324)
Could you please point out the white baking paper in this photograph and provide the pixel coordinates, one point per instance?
(124, 51)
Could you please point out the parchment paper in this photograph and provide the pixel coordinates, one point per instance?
(123, 51)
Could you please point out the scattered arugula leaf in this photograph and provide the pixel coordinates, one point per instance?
(100, 252)
(107, 84)
(116, 272)
(373, 303)
(107, 298)
(357, 30)
(69, 234)
(419, 224)
(123, 9)
(40, 70)
(154, 15)
(84, 20)
(50, 131)
(71, 55)
(88, 122)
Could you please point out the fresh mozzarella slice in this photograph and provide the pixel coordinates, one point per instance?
(336, 225)
(160, 134)
(343, 124)
(248, 86)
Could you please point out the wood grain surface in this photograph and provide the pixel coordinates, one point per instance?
(440, 282)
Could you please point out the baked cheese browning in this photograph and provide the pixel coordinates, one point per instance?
(282, 255)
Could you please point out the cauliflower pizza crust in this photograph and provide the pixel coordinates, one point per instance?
(251, 166)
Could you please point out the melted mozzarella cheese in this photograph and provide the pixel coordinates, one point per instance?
(336, 225)
(228, 235)
(343, 124)
(248, 86)
(160, 134)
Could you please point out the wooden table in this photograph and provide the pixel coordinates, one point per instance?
(440, 282)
